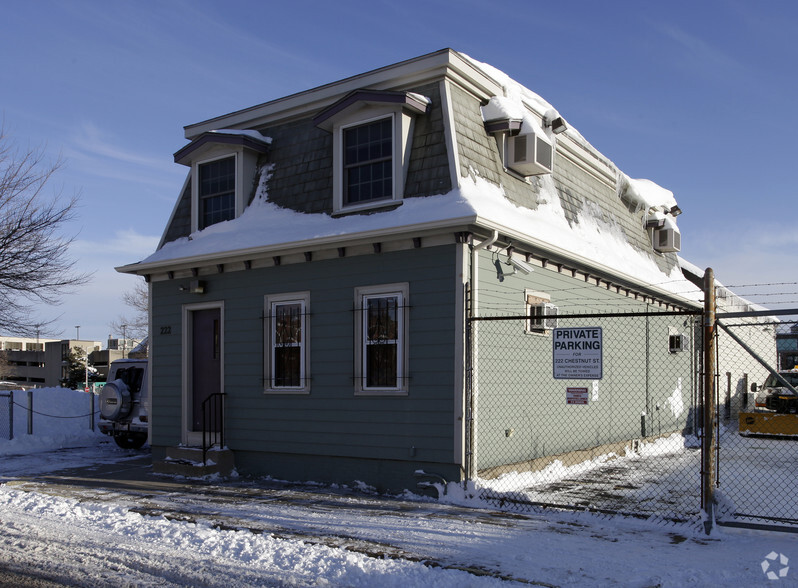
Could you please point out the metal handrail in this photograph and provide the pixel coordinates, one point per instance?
(212, 423)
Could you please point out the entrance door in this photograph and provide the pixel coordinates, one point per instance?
(206, 360)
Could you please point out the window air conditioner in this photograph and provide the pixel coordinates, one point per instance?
(667, 240)
(542, 317)
(530, 154)
(677, 343)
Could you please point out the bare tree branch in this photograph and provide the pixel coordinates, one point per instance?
(134, 326)
(34, 262)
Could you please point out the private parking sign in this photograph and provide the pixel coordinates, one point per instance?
(577, 353)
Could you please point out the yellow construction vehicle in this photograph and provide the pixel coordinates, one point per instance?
(776, 403)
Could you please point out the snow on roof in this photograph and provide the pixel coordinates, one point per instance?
(646, 193)
(594, 238)
(245, 133)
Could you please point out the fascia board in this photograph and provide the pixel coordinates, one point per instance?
(444, 63)
(287, 248)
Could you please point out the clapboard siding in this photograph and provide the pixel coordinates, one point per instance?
(517, 391)
(330, 420)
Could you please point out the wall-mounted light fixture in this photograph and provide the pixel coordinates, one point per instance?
(675, 210)
(555, 121)
(194, 287)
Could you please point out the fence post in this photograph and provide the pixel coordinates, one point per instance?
(30, 412)
(10, 415)
(708, 445)
(745, 390)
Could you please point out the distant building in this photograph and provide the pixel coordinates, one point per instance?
(25, 358)
(42, 363)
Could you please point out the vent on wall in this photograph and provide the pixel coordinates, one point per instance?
(530, 154)
(667, 240)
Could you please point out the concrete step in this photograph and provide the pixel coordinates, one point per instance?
(187, 461)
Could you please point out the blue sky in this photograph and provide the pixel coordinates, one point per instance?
(697, 96)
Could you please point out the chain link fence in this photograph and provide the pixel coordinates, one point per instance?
(626, 437)
(620, 439)
(757, 447)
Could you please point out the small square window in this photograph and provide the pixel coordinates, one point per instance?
(540, 312)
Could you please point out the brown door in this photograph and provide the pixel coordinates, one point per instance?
(206, 360)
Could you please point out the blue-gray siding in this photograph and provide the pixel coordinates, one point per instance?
(331, 420)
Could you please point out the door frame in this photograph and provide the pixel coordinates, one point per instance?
(188, 436)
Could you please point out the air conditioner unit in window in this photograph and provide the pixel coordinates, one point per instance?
(530, 154)
(677, 343)
(667, 240)
(542, 317)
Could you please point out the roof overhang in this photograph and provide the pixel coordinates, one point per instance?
(210, 139)
(406, 100)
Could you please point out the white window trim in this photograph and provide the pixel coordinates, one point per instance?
(239, 199)
(269, 301)
(361, 294)
(534, 298)
(400, 153)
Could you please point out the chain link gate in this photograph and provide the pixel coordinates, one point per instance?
(626, 443)
(757, 459)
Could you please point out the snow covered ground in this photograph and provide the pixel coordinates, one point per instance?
(60, 523)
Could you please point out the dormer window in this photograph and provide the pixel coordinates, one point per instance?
(372, 132)
(217, 191)
(223, 165)
(368, 162)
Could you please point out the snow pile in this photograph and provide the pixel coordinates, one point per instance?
(200, 553)
(646, 194)
(61, 418)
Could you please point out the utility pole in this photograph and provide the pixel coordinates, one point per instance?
(708, 445)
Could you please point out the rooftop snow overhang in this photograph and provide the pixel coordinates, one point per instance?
(409, 101)
(234, 138)
(475, 224)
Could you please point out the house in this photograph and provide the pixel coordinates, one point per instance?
(329, 253)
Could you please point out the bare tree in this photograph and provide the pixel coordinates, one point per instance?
(34, 262)
(5, 366)
(134, 326)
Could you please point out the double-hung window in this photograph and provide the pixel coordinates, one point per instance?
(287, 349)
(381, 335)
(368, 162)
(217, 191)
(372, 139)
